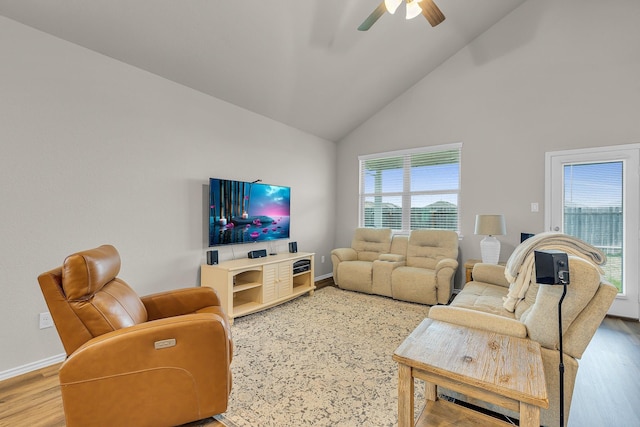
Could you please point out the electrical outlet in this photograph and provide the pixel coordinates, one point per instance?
(322, 259)
(46, 321)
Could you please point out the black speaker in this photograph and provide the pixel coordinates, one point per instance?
(257, 254)
(212, 257)
(293, 247)
(552, 267)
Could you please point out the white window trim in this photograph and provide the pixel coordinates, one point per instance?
(419, 150)
(405, 152)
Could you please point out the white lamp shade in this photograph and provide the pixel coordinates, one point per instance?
(392, 5)
(490, 225)
(413, 9)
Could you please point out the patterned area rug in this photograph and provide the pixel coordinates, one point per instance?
(320, 360)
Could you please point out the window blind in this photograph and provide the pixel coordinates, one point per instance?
(411, 189)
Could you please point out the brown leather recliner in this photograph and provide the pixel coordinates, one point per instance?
(159, 360)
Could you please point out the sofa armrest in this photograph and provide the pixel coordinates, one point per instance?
(340, 255)
(178, 302)
(445, 272)
(344, 254)
(381, 275)
(478, 320)
(446, 263)
(490, 273)
(199, 336)
(392, 258)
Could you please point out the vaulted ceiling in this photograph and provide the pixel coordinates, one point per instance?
(300, 62)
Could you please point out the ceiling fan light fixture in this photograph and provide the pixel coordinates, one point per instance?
(392, 5)
(413, 9)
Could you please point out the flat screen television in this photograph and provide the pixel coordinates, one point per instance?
(247, 212)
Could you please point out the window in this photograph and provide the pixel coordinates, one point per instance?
(411, 189)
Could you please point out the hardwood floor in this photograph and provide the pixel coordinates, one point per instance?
(608, 382)
(606, 391)
(32, 399)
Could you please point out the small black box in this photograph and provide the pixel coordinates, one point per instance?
(552, 267)
(301, 266)
(212, 257)
(293, 247)
(260, 253)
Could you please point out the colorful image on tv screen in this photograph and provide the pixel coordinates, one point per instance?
(245, 212)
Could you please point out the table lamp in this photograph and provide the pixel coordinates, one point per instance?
(489, 226)
(552, 268)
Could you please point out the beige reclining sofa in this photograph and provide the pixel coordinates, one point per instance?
(418, 268)
(481, 305)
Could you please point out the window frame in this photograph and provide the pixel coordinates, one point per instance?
(406, 194)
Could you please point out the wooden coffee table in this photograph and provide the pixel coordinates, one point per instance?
(491, 367)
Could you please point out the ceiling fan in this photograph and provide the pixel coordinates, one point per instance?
(414, 8)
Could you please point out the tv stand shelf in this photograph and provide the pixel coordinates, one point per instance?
(248, 285)
(245, 286)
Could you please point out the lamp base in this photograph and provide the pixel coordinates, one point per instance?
(490, 250)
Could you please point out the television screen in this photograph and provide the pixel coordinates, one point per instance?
(246, 212)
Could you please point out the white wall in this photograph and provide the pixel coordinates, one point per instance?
(95, 151)
(552, 75)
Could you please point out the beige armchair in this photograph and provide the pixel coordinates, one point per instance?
(589, 296)
(159, 360)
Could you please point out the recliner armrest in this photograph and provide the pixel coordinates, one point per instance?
(446, 262)
(344, 254)
(445, 272)
(115, 369)
(199, 337)
(391, 257)
(179, 302)
(340, 255)
(478, 320)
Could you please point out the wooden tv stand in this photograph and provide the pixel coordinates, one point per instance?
(248, 285)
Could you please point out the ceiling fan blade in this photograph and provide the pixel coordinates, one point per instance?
(431, 12)
(371, 19)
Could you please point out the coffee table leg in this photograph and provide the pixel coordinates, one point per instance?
(405, 396)
(529, 415)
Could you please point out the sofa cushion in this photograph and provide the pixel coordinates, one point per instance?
(414, 284)
(427, 247)
(369, 243)
(483, 297)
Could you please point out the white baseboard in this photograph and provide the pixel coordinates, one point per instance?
(324, 276)
(33, 366)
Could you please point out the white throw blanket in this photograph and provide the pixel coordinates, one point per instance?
(521, 264)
